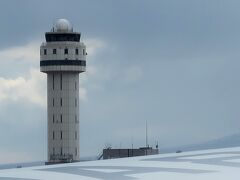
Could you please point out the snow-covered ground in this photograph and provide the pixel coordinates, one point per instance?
(195, 165)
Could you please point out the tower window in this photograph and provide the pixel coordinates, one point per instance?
(83, 51)
(54, 51)
(61, 81)
(75, 151)
(61, 118)
(53, 135)
(61, 134)
(53, 81)
(61, 101)
(75, 134)
(45, 51)
(75, 118)
(66, 51)
(76, 51)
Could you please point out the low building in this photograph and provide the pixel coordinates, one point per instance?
(121, 153)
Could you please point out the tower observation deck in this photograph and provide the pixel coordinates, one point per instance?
(62, 58)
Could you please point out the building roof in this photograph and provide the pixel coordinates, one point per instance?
(206, 164)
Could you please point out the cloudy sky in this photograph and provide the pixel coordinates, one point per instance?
(172, 63)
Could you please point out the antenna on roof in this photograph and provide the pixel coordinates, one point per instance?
(147, 134)
(132, 141)
(53, 26)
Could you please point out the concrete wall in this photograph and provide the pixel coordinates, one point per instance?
(60, 46)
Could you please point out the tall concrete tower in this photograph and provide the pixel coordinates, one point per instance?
(63, 57)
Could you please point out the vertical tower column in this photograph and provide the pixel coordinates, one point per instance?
(63, 57)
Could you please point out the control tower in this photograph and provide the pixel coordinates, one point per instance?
(62, 58)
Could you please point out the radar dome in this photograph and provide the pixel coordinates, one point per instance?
(63, 25)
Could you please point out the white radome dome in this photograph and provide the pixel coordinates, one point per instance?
(63, 25)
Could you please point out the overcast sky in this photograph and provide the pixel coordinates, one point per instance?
(172, 63)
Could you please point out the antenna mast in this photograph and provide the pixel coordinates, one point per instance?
(146, 133)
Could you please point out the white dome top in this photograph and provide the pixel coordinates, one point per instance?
(63, 25)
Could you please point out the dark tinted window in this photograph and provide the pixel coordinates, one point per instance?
(50, 37)
(65, 51)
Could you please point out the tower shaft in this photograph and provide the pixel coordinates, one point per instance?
(63, 116)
